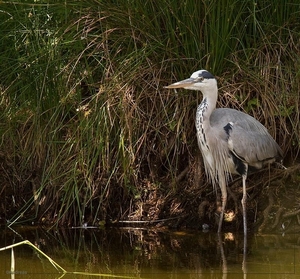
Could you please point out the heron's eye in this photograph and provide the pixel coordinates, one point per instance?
(200, 78)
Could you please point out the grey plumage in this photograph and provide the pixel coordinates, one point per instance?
(230, 141)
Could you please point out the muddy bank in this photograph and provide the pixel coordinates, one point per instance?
(188, 203)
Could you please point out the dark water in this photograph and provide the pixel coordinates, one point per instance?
(149, 253)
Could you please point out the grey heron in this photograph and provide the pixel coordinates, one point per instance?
(230, 141)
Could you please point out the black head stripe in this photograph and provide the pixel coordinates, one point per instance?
(206, 74)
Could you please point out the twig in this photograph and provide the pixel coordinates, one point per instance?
(290, 214)
(57, 266)
(150, 221)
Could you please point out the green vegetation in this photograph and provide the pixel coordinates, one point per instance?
(88, 134)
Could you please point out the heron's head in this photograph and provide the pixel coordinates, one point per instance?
(199, 80)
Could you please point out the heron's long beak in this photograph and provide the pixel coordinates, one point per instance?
(181, 84)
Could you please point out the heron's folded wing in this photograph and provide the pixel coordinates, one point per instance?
(255, 147)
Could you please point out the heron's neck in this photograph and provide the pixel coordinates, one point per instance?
(206, 108)
(203, 114)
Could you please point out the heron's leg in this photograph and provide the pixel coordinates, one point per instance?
(223, 188)
(244, 199)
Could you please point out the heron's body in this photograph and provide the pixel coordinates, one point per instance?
(230, 141)
(237, 139)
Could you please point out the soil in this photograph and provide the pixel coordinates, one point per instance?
(273, 203)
